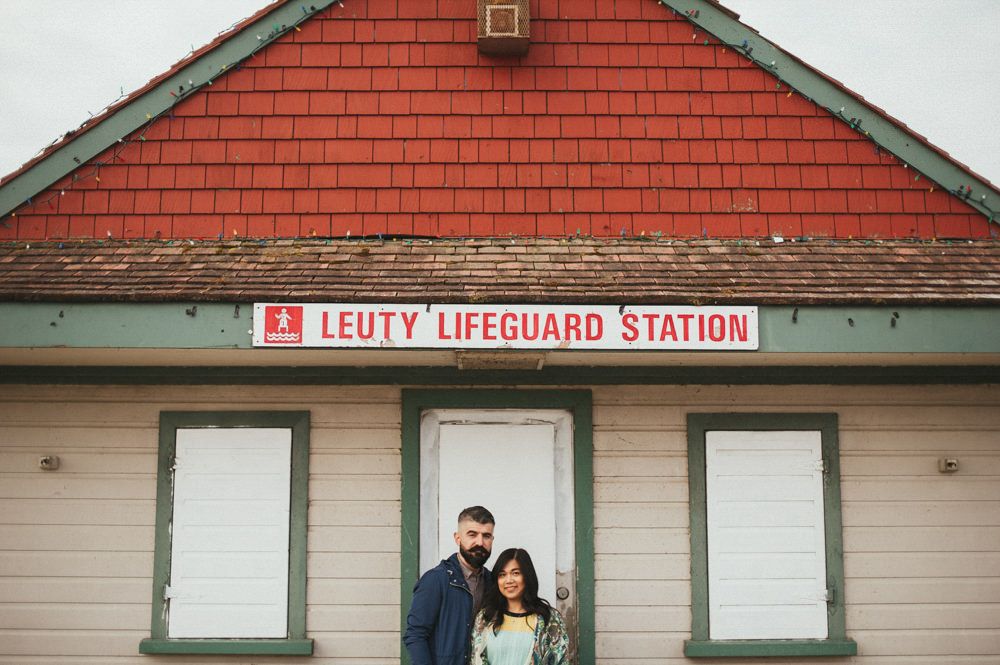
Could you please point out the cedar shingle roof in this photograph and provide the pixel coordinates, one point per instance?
(506, 270)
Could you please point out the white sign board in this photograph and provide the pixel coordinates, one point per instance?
(541, 327)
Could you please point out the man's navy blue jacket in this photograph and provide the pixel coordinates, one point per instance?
(440, 620)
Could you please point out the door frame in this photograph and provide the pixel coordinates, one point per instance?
(579, 404)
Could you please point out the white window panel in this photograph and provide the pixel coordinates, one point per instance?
(766, 539)
(230, 529)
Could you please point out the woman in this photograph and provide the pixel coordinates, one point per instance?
(515, 626)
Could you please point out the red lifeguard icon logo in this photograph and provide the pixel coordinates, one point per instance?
(283, 324)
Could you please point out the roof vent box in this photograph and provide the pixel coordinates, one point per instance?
(504, 27)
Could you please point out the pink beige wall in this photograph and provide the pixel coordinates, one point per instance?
(922, 558)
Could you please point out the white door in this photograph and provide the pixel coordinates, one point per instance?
(518, 463)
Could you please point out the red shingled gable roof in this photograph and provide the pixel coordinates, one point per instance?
(383, 118)
(618, 133)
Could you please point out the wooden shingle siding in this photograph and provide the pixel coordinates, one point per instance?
(383, 118)
(922, 549)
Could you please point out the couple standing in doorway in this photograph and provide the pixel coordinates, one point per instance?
(459, 601)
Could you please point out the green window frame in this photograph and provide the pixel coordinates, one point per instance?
(579, 402)
(296, 642)
(701, 645)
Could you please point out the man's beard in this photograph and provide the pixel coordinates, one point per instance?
(476, 556)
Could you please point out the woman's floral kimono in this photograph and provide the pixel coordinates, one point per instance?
(550, 646)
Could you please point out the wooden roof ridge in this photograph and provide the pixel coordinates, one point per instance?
(506, 270)
(196, 71)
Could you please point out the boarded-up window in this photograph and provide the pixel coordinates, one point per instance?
(767, 571)
(229, 551)
(766, 551)
(230, 560)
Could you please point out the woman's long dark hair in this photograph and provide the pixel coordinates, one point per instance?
(494, 603)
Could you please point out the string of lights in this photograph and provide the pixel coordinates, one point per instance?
(379, 239)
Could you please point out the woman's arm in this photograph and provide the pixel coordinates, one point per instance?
(478, 656)
(558, 639)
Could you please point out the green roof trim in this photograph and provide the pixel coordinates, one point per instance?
(154, 102)
(782, 328)
(885, 133)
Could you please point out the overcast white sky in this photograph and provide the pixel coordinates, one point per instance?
(930, 64)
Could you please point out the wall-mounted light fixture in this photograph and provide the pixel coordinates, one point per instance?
(948, 465)
(48, 462)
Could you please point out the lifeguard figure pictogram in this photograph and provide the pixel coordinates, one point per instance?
(283, 324)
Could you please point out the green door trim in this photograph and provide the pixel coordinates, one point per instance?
(579, 403)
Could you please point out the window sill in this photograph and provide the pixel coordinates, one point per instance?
(296, 647)
(762, 648)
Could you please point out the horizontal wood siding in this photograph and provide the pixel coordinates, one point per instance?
(76, 544)
(922, 557)
(922, 560)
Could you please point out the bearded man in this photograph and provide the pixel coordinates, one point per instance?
(447, 597)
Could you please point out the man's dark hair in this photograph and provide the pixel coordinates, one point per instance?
(476, 514)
